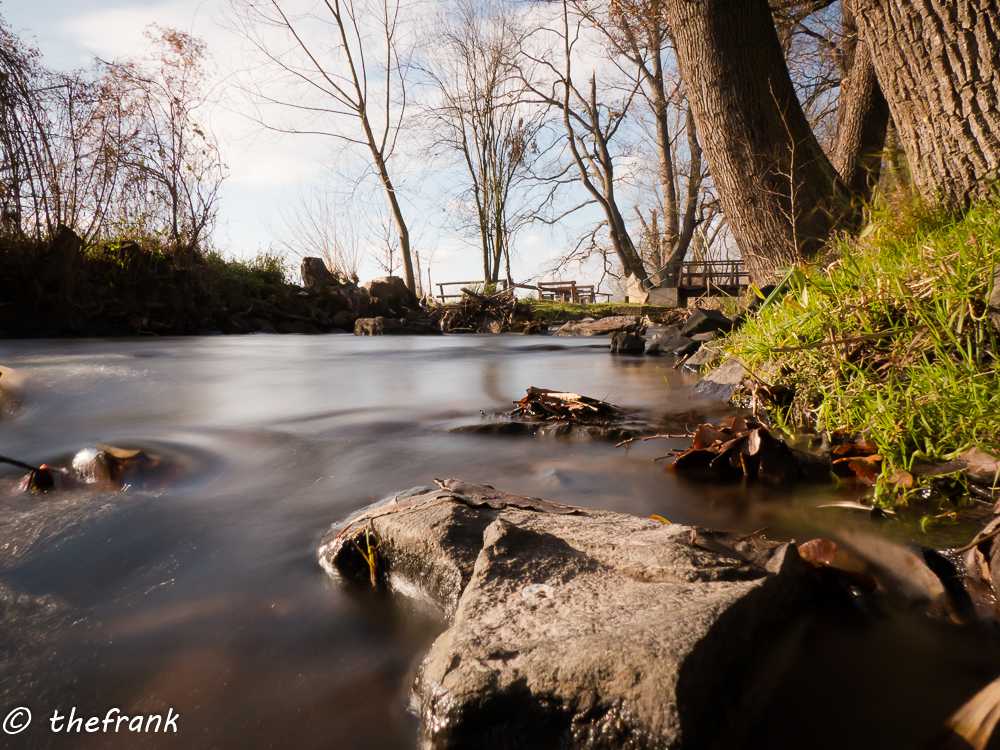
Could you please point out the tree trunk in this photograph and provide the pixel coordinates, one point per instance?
(939, 65)
(781, 194)
(863, 115)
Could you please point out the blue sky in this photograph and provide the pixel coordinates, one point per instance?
(266, 171)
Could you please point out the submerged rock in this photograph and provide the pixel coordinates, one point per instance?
(590, 630)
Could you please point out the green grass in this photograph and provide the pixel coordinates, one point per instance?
(564, 311)
(927, 390)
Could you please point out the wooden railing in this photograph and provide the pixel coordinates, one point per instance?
(704, 274)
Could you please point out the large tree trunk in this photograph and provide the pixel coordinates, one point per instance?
(939, 65)
(863, 115)
(781, 194)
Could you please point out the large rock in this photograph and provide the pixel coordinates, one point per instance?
(721, 382)
(315, 274)
(592, 630)
(672, 341)
(601, 327)
(706, 354)
(627, 342)
(382, 326)
(706, 321)
(390, 293)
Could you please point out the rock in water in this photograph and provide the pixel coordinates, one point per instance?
(592, 630)
(601, 327)
(705, 321)
(722, 382)
(627, 342)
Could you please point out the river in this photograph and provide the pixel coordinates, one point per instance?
(206, 598)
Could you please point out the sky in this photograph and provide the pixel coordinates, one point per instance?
(266, 171)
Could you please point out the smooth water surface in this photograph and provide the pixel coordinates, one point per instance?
(206, 597)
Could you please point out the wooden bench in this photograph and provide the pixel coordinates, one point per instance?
(557, 291)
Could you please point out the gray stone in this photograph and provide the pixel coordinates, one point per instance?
(601, 327)
(316, 275)
(994, 299)
(705, 355)
(721, 382)
(594, 630)
(670, 341)
(382, 326)
(378, 326)
(627, 342)
(704, 321)
(703, 337)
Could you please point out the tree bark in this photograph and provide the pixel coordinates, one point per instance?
(781, 194)
(863, 115)
(938, 62)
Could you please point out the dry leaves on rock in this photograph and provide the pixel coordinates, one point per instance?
(457, 490)
(747, 448)
(544, 405)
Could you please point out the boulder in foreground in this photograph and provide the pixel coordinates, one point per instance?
(568, 627)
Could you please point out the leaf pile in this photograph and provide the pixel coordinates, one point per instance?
(544, 405)
(747, 448)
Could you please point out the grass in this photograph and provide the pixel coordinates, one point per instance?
(565, 311)
(917, 373)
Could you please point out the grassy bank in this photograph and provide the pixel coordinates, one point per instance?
(125, 288)
(890, 340)
(566, 311)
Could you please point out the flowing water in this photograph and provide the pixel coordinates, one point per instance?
(206, 598)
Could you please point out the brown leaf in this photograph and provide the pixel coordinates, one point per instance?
(477, 495)
(707, 435)
(902, 478)
(818, 552)
(971, 726)
(865, 468)
(982, 467)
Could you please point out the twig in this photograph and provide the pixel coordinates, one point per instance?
(654, 437)
(978, 540)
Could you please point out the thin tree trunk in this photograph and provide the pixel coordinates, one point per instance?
(863, 115)
(939, 65)
(781, 194)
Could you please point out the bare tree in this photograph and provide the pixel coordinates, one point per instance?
(591, 123)
(638, 32)
(481, 116)
(350, 85)
(173, 162)
(319, 224)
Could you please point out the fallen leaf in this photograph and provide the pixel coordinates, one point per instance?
(818, 552)
(971, 726)
(982, 467)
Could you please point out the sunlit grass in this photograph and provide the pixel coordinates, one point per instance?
(927, 388)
